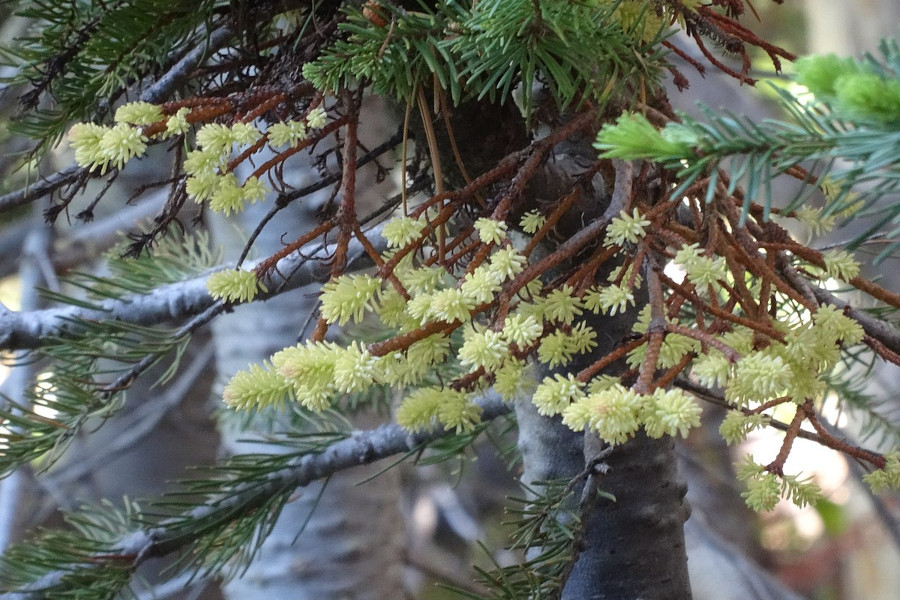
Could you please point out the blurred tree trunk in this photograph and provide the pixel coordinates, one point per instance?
(351, 545)
(847, 28)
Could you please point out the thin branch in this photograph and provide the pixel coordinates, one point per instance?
(881, 330)
(23, 330)
(140, 424)
(40, 189)
(821, 437)
(284, 200)
(181, 70)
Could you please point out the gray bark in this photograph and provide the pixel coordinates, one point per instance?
(633, 548)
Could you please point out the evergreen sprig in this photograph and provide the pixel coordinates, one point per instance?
(83, 384)
(545, 527)
(86, 373)
(176, 257)
(398, 59)
(574, 49)
(53, 565)
(849, 133)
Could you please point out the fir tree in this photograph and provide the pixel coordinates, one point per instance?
(545, 186)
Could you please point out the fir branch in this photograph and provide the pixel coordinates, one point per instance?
(128, 40)
(187, 298)
(850, 135)
(493, 47)
(547, 528)
(78, 388)
(94, 557)
(160, 90)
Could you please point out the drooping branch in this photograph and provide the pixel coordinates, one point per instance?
(877, 328)
(242, 499)
(40, 189)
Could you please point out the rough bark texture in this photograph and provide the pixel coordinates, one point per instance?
(633, 548)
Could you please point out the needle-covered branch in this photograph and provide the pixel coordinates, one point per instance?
(254, 497)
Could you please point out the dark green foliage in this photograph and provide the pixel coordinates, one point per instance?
(490, 49)
(47, 568)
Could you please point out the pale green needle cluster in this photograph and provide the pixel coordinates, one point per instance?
(815, 219)
(319, 374)
(555, 394)
(626, 228)
(209, 176)
(701, 270)
(317, 118)
(178, 123)
(234, 285)
(348, 298)
(401, 231)
(532, 221)
(840, 264)
(288, 133)
(609, 300)
(616, 413)
(97, 146)
(138, 113)
(887, 478)
(429, 406)
(483, 349)
(673, 349)
(736, 426)
(514, 379)
(313, 373)
(765, 489)
(559, 347)
(634, 137)
(522, 330)
(561, 306)
(491, 231)
(259, 385)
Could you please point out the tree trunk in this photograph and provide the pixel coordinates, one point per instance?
(848, 28)
(633, 547)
